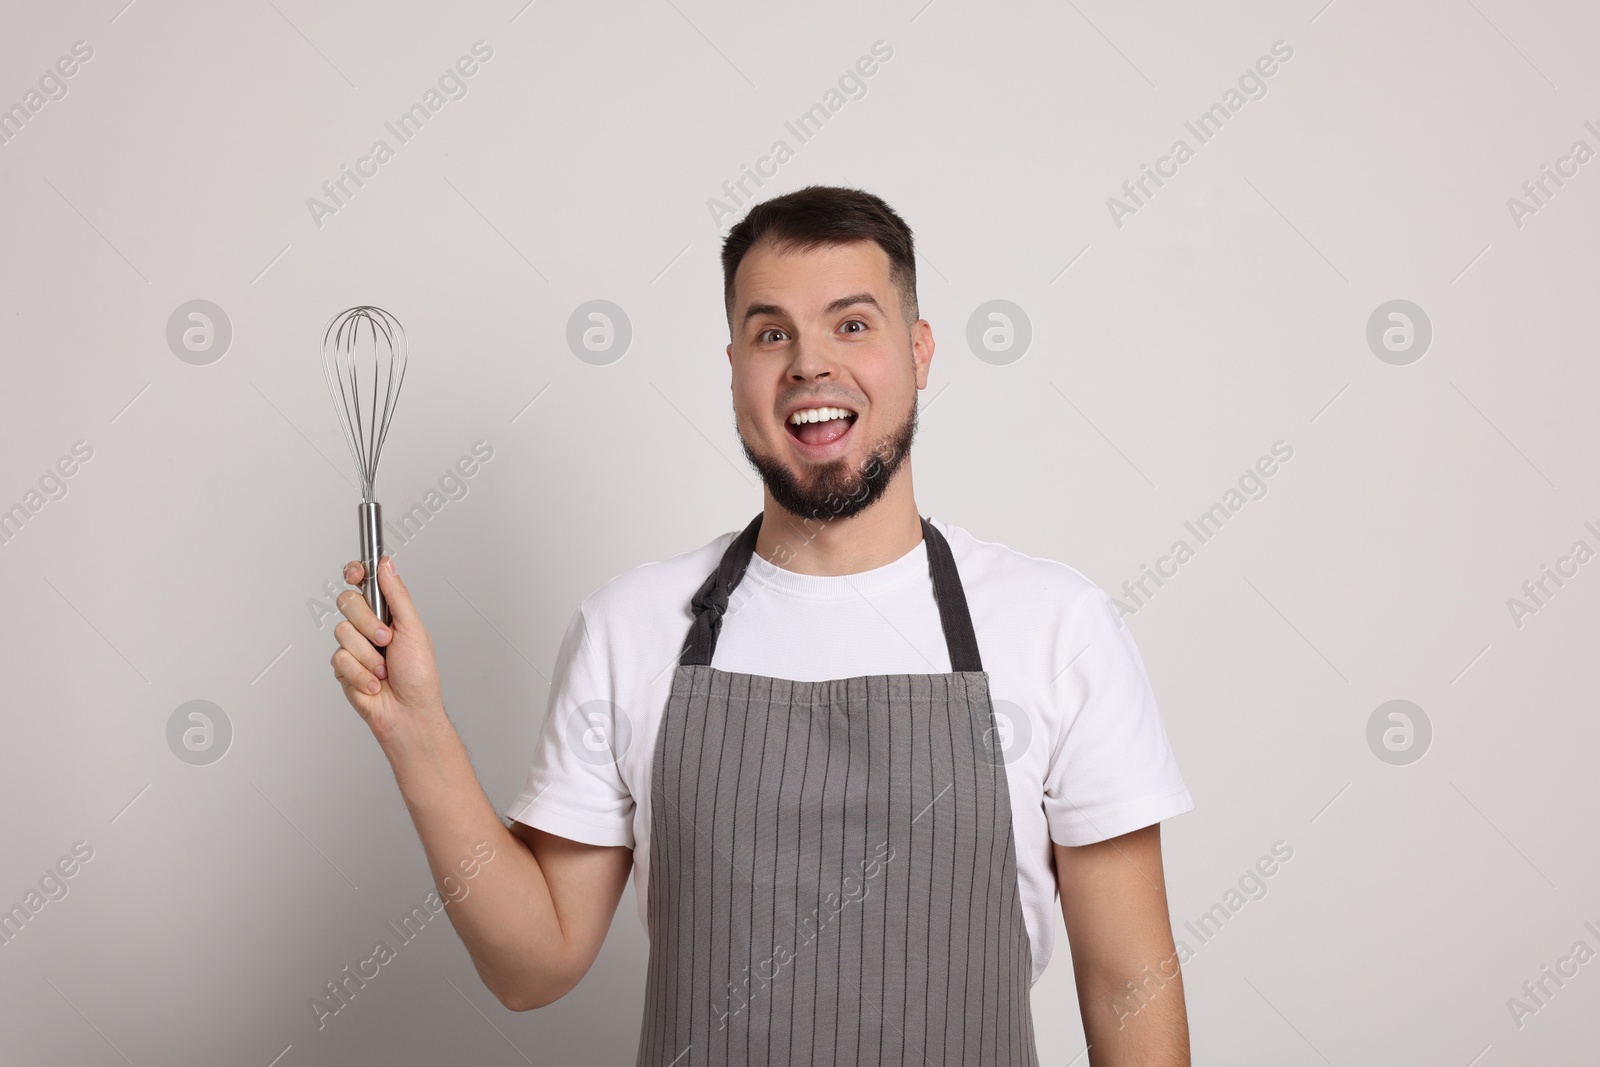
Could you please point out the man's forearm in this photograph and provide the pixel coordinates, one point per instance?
(503, 909)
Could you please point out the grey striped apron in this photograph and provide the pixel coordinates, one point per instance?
(833, 876)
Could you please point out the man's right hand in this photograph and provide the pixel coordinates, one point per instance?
(400, 688)
(538, 912)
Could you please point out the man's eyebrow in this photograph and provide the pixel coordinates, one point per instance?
(837, 305)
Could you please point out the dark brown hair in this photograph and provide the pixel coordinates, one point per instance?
(824, 215)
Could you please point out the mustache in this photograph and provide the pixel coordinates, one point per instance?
(821, 400)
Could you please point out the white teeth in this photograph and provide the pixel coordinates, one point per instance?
(820, 415)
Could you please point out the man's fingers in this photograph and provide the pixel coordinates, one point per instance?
(351, 640)
(352, 674)
(396, 594)
(354, 572)
(355, 608)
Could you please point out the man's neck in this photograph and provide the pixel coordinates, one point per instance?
(825, 545)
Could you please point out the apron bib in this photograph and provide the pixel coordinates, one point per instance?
(833, 875)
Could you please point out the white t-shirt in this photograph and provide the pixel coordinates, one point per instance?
(1086, 755)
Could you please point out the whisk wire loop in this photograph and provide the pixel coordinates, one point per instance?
(355, 340)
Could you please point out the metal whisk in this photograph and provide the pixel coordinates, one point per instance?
(364, 359)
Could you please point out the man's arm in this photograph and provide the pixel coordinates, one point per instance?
(1130, 987)
(532, 908)
(534, 915)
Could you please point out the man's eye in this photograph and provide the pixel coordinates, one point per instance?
(761, 338)
(856, 322)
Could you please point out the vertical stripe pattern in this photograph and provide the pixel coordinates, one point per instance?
(833, 876)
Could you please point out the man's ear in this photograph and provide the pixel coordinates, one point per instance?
(922, 350)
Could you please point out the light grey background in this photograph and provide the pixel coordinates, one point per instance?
(1167, 354)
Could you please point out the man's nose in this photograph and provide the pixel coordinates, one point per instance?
(810, 362)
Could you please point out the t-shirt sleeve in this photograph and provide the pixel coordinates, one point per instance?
(1111, 768)
(575, 787)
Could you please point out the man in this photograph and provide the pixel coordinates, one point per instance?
(850, 754)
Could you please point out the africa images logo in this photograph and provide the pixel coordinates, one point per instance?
(1252, 85)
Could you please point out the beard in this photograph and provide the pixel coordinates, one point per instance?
(837, 489)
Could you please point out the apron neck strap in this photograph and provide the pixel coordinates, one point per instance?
(710, 603)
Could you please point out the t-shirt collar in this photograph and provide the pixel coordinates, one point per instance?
(840, 586)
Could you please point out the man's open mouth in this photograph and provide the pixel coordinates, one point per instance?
(820, 426)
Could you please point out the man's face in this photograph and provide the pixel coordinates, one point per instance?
(823, 329)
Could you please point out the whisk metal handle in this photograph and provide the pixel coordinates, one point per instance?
(370, 517)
